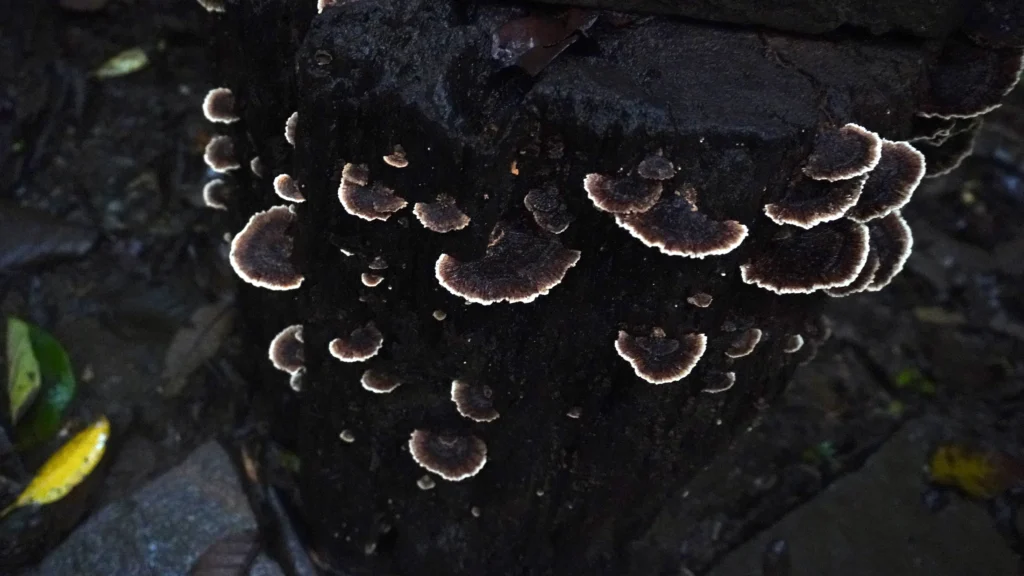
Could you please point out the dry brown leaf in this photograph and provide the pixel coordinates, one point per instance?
(196, 342)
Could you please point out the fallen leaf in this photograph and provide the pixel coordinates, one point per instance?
(126, 62)
(43, 419)
(231, 555)
(23, 377)
(67, 467)
(981, 474)
(196, 342)
(29, 236)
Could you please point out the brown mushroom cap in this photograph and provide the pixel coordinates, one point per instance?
(799, 261)
(441, 216)
(794, 343)
(290, 127)
(379, 382)
(745, 344)
(843, 153)
(397, 158)
(261, 253)
(451, 456)
(287, 188)
(220, 154)
(656, 167)
(864, 279)
(216, 194)
(518, 266)
(893, 242)
(810, 202)
(967, 80)
(891, 184)
(362, 344)
(675, 227)
(475, 402)
(658, 359)
(371, 280)
(364, 201)
(287, 352)
(548, 209)
(256, 166)
(297, 379)
(622, 194)
(721, 382)
(219, 106)
(700, 300)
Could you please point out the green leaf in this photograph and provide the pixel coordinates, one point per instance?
(126, 62)
(23, 376)
(43, 420)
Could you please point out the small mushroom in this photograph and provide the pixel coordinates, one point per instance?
(810, 202)
(794, 343)
(426, 482)
(213, 5)
(892, 241)
(288, 189)
(622, 195)
(371, 280)
(452, 456)
(287, 352)
(216, 194)
(441, 216)
(261, 253)
(799, 261)
(439, 315)
(397, 158)
(219, 106)
(891, 184)
(256, 166)
(548, 209)
(367, 202)
(362, 344)
(297, 378)
(290, 125)
(967, 80)
(220, 154)
(721, 382)
(675, 227)
(518, 266)
(379, 382)
(575, 412)
(656, 167)
(658, 359)
(843, 153)
(745, 344)
(347, 436)
(475, 402)
(377, 263)
(700, 300)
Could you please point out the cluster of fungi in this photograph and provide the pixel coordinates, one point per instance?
(836, 228)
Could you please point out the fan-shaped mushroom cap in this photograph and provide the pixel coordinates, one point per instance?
(745, 344)
(442, 215)
(810, 202)
(290, 126)
(700, 300)
(794, 343)
(220, 154)
(256, 166)
(261, 253)
(843, 153)
(548, 209)
(378, 263)
(803, 261)
(216, 193)
(675, 227)
(451, 456)
(864, 279)
(891, 184)
(219, 106)
(296, 380)
(286, 349)
(426, 482)
(656, 167)
(379, 382)
(371, 280)
(892, 241)
(397, 158)
(213, 5)
(658, 359)
(721, 383)
(288, 189)
(517, 267)
(967, 80)
(364, 201)
(941, 159)
(623, 194)
(475, 402)
(362, 344)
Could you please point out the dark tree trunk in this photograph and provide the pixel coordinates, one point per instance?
(735, 110)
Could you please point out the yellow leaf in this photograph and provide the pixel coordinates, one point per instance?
(977, 473)
(126, 62)
(23, 376)
(68, 466)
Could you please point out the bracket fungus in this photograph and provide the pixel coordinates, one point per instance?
(700, 300)
(256, 166)
(216, 194)
(723, 382)
(794, 343)
(941, 159)
(548, 209)
(371, 280)
(452, 456)
(220, 154)
(656, 167)
(518, 266)
(213, 5)
(287, 353)
(426, 482)
(378, 263)
(379, 382)
(475, 402)
(658, 359)
(362, 344)
(290, 126)
(287, 188)
(219, 106)
(891, 184)
(261, 253)
(968, 80)
(810, 202)
(397, 158)
(364, 201)
(297, 378)
(441, 215)
(675, 227)
(745, 344)
(799, 261)
(892, 242)
(621, 195)
(863, 280)
(843, 153)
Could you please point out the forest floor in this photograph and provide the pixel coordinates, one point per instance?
(106, 244)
